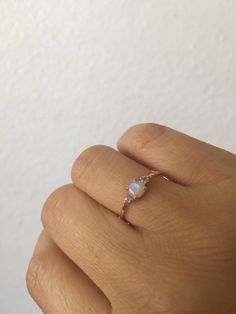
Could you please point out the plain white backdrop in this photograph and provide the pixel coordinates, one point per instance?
(74, 73)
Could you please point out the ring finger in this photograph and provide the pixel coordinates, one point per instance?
(103, 173)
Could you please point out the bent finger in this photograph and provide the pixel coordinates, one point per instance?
(59, 286)
(181, 157)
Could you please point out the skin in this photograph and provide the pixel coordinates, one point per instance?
(178, 256)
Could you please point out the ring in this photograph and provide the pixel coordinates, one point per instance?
(136, 190)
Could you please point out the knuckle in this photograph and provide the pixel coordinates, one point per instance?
(145, 126)
(35, 274)
(53, 206)
(146, 133)
(141, 135)
(88, 159)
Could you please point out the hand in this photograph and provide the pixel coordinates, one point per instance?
(178, 256)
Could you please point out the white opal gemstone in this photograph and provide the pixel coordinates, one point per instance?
(136, 189)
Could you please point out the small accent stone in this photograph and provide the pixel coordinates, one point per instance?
(144, 179)
(128, 198)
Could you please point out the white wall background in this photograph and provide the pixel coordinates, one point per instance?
(75, 73)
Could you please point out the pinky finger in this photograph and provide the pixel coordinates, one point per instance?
(59, 286)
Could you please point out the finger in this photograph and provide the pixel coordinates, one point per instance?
(59, 286)
(90, 235)
(186, 159)
(103, 173)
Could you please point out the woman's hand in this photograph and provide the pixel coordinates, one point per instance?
(178, 256)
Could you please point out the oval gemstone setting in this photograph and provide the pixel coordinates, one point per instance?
(136, 189)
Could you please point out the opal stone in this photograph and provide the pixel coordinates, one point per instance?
(136, 189)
